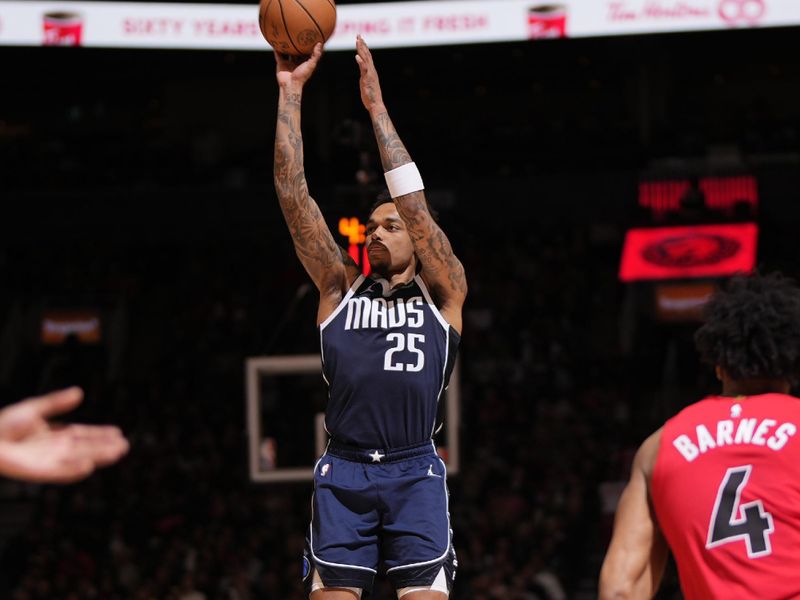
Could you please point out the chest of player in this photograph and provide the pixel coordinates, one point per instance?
(375, 335)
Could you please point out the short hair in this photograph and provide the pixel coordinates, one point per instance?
(752, 328)
(385, 198)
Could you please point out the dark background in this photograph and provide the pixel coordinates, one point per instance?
(138, 183)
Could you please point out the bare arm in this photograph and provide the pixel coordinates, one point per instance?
(331, 269)
(637, 555)
(440, 267)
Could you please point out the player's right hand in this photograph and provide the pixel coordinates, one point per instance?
(294, 71)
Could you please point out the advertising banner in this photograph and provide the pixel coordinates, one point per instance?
(84, 325)
(393, 24)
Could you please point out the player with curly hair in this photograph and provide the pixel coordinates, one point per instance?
(719, 484)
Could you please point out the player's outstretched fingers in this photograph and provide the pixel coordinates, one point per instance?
(361, 44)
(361, 48)
(56, 403)
(102, 444)
(316, 54)
(26, 417)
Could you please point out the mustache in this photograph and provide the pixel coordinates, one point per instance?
(373, 244)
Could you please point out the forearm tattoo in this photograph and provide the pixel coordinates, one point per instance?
(313, 241)
(393, 152)
(430, 243)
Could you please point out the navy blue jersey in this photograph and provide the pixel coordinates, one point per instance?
(387, 356)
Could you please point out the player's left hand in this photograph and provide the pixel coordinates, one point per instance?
(33, 449)
(370, 86)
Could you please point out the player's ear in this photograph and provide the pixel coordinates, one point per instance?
(719, 372)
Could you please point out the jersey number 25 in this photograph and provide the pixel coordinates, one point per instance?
(400, 344)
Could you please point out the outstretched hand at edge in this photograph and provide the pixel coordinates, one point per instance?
(33, 449)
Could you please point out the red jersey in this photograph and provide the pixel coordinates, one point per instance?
(726, 493)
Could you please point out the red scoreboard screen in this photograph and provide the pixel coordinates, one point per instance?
(689, 252)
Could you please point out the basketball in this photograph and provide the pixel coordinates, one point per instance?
(295, 26)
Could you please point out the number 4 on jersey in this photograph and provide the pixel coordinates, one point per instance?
(731, 521)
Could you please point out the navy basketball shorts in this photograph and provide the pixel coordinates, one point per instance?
(376, 509)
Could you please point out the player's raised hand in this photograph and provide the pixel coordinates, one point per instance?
(33, 449)
(368, 82)
(296, 70)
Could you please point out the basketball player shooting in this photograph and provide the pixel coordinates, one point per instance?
(719, 484)
(388, 345)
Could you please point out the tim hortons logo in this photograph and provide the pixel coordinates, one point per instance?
(742, 12)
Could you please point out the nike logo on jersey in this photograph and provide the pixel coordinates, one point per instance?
(431, 473)
(379, 313)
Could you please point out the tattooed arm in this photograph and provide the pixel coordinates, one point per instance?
(442, 271)
(329, 266)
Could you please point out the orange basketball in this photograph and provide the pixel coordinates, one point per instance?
(294, 26)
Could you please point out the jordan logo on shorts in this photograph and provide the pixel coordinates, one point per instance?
(431, 473)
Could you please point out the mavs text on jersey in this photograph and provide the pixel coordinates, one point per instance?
(387, 356)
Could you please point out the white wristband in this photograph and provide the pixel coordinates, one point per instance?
(403, 180)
